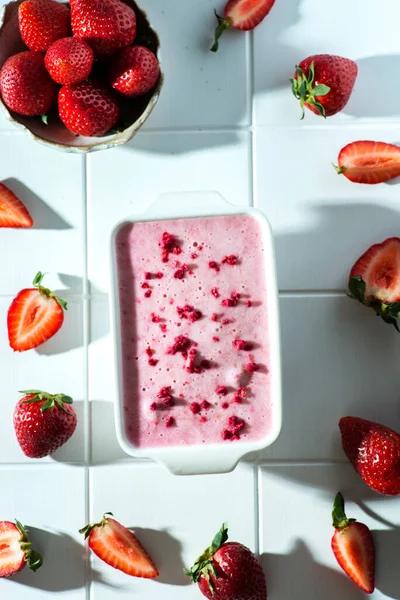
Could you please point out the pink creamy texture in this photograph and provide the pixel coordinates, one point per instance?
(213, 359)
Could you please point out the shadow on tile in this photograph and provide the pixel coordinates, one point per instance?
(64, 563)
(166, 552)
(105, 446)
(180, 142)
(280, 57)
(299, 575)
(43, 216)
(378, 69)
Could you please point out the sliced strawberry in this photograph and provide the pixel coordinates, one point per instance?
(118, 547)
(12, 212)
(369, 162)
(375, 280)
(16, 549)
(241, 14)
(353, 547)
(34, 316)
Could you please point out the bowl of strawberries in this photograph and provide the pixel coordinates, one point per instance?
(80, 76)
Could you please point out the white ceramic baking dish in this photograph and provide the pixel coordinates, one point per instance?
(208, 458)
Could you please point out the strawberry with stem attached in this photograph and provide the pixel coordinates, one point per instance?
(241, 14)
(374, 452)
(375, 280)
(228, 570)
(118, 547)
(369, 162)
(35, 315)
(324, 83)
(43, 422)
(16, 551)
(12, 212)
(353, 547)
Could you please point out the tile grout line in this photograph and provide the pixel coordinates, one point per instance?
(252, 110)
(86, 330)
(256, 511)
(260, 547)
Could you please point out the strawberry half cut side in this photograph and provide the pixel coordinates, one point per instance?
(118, 547)
(34, 316)
(12, 212)
(16, 550)
(353, 547)
(204, 565)
(306, 92)
(369, 162)
(375, 280)
(241, 14)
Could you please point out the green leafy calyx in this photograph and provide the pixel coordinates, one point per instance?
(37, 282)
(49, 400)
(388, 311)
(223, 25)
(339, 519)
(305, 90)
(86, 531)
(33, 559)
(204, 565)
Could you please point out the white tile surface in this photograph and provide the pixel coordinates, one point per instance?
(175, 530)
(338, 359)
(153, 164)
(40, 497)
(50, 185)
(104, 443)
(359, 30)
(201, 88)
(322, 221)
(56, 366)
(296, 505)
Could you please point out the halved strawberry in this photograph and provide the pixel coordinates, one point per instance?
(241, 14)
(119, 548)
(12, 212)
(369, 162)
(353, 547)
(375, 280)
(34, 316)
(16, 550)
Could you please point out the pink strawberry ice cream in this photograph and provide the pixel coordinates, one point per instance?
(194, 326)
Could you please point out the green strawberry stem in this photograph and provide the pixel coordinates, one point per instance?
(389, 312)
(223, 25)
(33, 559)
(339, 519)
(50, 400)
(86, 531)
(204, 564)
(303, 89)
(37, 282)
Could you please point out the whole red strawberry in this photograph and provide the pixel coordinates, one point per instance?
(42, 22)
(25, 85)
(87, 108)
(69, 60)
(374, 451)
(43, 422)
(228, 571)
(106, 25)
(134, 71)
(324, 83)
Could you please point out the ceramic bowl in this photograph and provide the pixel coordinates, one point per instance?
(133, 112)
(204, 458)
